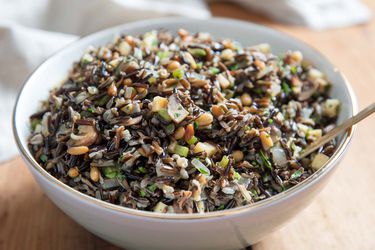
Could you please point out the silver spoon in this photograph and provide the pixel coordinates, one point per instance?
(338, 130)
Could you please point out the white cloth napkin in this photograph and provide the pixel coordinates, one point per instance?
(30, 31)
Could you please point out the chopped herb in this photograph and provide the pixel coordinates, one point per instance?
(286, 88)
(233, 67)
(90, 109)
(102, 101)
(142, 170)
(293, 69)
(110, 172)
(270, 121)
(266, 160)
(170, 128)
(34, 123)
(152, 187)
(142, 193)
(221, 207)
(43, 158)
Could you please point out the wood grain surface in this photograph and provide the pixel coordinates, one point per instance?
(342, 217)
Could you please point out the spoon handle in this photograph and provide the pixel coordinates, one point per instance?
(339, 129)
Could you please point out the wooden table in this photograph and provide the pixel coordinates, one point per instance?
(342, 217)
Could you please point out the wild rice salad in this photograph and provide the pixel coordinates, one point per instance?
(184, 124)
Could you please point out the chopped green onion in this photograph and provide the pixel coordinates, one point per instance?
(270, 121)
(181, 150)
(214, 70)
(142, 193)
(152, 187)
(200, 166)
(265, 160)
(237, 176)
(296, 174)
(178, 73)
(221, 207)
(43, 158)
(164, 54)
(110, 172)
(224, 161)
(163, 113)
(192, 140)
(197, 52)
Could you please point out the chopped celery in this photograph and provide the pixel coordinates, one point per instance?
(163, 113)
(181, 150)
(192, 140)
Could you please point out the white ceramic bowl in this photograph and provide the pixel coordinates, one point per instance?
(133, 229)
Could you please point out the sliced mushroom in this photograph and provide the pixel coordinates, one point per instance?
(87, 136)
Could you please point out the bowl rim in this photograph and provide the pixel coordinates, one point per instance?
(333, 161)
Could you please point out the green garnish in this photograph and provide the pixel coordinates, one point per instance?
(43, 158)
(110, 172)
(192, 140)
(170, 128)
(181, 150)
(142, 193)
(202, 171)
(152, 187)
(270, 121)
(163, 113)
(233, 67)
(286, 88)
(237, 176)
(293, 69)
(102, 101)
(214, 70)
(224, 161)
(163, 54)
(90, 109)
(141, 170)
(265, 160)
(197, 52)
(196, 125)
(178, 73)
(221, 207)
(34, 123)
(296, 174)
